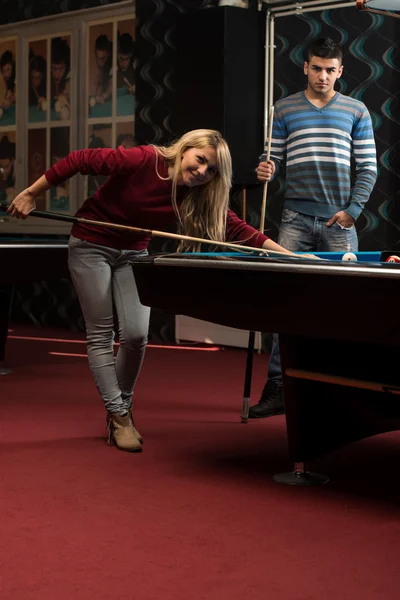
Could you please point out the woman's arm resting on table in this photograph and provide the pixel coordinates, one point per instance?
(274, 247)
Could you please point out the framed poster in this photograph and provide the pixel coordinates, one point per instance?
(8, 91)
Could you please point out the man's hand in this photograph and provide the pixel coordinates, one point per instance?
(265, 170)
(342, 218)
(22, 205)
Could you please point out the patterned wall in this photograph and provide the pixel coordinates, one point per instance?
(156, 46)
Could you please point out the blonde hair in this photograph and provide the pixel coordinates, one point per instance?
(204, 208)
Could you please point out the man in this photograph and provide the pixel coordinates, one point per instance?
(316, 132)
(125, 60)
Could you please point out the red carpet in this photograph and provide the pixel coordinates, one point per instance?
(196, 515)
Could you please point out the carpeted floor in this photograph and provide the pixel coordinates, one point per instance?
(196, 515)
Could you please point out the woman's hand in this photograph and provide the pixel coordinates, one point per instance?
(22, 205)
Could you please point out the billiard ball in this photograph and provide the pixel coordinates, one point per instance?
(349, 256)
(393, 259)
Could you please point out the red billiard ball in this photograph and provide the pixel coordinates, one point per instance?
(393, 259)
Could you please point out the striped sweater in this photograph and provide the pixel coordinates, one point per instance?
(317, 145)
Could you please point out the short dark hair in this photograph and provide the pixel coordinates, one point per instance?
(324, 48)
(60, 52)
(126, 45)
(7, 148)
(102, 43)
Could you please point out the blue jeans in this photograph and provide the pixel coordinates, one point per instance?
(302, 233)
(104, 282)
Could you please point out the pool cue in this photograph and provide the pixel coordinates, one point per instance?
(128, 83)
(250, 345)
(153, 232)
(265, 189)
(244, 203)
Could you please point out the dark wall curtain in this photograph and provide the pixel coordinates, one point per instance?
(156, 46)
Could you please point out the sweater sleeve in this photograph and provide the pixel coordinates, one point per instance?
(96, 161)
(239, 231)
(278, 142)
(364, 152)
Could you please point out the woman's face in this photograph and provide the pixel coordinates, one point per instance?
(6, 71)
(6, 166)
(199, 166)
(36, 78)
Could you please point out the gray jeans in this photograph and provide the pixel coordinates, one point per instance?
(104, 282)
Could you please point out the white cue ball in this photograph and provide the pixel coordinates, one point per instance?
(349, 256)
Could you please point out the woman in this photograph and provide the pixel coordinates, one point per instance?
(7, 69)
(149, 187)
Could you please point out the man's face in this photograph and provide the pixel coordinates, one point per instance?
(322, 74)
(101, 58)
(124, 60)
(58, 71)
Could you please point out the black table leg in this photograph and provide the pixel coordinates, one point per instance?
(290, 348)
(6, 293)
(300, 476)
(248, 377)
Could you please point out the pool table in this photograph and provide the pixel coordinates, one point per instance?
(339, 326)
(27, 259)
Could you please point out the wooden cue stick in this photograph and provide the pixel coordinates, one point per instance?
(153, 232)
(128, 83)
(346, 381)
(264, 198)
(176, 236)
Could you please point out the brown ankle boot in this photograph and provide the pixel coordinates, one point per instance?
(121, 432)
(138, 435)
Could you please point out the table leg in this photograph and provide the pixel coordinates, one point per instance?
(290, 349)
(6, 293)
(248, 377)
